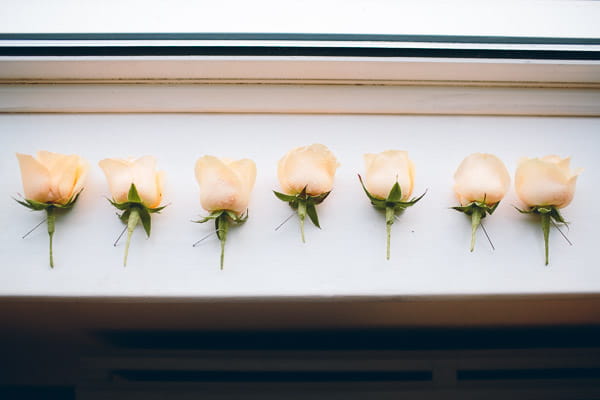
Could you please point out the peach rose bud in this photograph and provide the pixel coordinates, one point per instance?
(51, 181)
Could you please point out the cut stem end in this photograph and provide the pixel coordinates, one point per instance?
(51, 226)
(389, 221)
(132, 221)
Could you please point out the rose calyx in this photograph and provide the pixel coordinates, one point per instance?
(223, 218)
(547, 215)
(49, 207)
(477, 210)
(392, 205)
(304, 204)
(134, 212)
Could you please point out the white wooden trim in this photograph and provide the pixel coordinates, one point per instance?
(321, 99)
(303, 69)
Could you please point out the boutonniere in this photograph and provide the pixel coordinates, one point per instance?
(388, 183)
(225, 188)
(136, 189)
(546, 185)
(480, 182)
(51, 182)
(306, 177)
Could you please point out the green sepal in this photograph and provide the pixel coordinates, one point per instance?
(378, 203)
(38, 206)
(312, 214)
(284, 197)
(33, 205)
(308, 200)
(318, 199)
(393, 200)
(135, 202)
(156, 209)
(212, 215)
(238, 219)
(545, 210)
(146, 220)
(133, 196)
(547, 214)
(395, 194)
(119, 206)
(124, 217)
(478, 206)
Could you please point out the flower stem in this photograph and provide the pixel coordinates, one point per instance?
(475, 221)
(51, 225)
(302, 215)
(132, 221)
(389, 221)
(546, 229)
(222, 227)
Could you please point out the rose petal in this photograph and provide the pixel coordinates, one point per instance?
(144, 178)
(540, 182)
(481, 176)
(119, 176)
(63, 176)
(312, 167)
(220, 187)
(36, 180)
(383, 170)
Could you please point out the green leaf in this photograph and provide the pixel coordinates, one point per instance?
(395, 194)
(312, 214)
(146, 220)
(284, 197)
(133, 195)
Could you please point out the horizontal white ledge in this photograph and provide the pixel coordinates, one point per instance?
(331, 69)
(320, 99)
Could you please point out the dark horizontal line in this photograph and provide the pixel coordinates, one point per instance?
(295, 51)
(394, 339)
(525, 374)
(301, 36)
(271, 376)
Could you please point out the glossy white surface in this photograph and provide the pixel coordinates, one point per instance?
(346, 258)
(561, 18)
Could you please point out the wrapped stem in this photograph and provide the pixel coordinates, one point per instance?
(389, 221)
(475, 222)
(132, 221)
(51, 225)
(222, 225)
(546, 229)
(302, 215)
